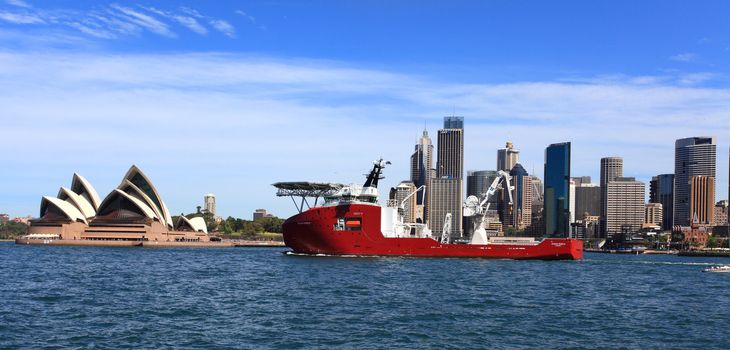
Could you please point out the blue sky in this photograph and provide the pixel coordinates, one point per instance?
(229, 97)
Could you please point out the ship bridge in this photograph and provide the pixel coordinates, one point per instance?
(304, 190)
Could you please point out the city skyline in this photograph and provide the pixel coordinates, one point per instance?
(229, 100)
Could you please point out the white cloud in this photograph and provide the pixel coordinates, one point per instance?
(309, 120)
(146, 21)
(191, 23)
(224, 27)
(684, 57)
(20, 18)
(18, 3)
(246, 15)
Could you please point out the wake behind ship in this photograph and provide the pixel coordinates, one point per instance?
(351, 222)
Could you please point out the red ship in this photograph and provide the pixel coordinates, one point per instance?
(351, 222)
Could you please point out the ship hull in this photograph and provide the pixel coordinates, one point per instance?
(313, 232)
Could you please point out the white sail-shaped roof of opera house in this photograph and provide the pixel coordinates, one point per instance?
(133, 211)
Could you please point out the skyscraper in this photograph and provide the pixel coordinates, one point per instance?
(507, 157)
(557, 190)
(611, 168)
(209, 203)
(477, 184)
(453, 122)
(403, 190)
(587, 200)
(702, 199)
(624, 207)
(445, 198)
(421, 165)
(450, 162)
(447, 188)
(693, 156)
(662, 191)
(519, 214)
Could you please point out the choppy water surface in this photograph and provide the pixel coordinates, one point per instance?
(61, 297)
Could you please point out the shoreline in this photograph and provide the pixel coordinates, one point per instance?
(147, 244)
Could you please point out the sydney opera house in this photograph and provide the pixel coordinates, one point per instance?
(133, 214)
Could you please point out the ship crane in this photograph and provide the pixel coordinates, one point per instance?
(446, 232)
(479, 209)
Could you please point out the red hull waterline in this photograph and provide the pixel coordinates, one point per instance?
(313, 232)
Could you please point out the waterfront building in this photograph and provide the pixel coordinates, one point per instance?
(556, 212)
(446, 197)
(611, 168)
(421, 169)
(209, 203)
(507, 157)
(662, 191)
(653, 214)
(403, 190)
(587, 200)
(624, 207)
(702, 199)
(132, 212)
(695, 234)
(693, 156)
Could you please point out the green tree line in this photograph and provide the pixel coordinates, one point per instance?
(11, 230)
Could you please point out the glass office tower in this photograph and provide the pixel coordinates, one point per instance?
(557, 190)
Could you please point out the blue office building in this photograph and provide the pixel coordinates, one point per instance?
(454, 123)
(557, 190)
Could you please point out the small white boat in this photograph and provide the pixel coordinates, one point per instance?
(721, 268)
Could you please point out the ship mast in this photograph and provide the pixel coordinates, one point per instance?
(375, 174)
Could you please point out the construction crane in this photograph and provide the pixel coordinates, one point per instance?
(479, 209)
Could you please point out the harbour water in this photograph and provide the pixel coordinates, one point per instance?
(251, 298)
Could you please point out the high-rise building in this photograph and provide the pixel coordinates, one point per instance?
(580, 180)
(702, 199)
(445, 197)
(454, 123)
(446, 189)
(571, 201)
(653, 214)
(261, 213)
(693, 156)
(477, 184)
(662, 191)
(209, 203)
(556, 212)
(450, 162)
(611, 168)
(537, 191)
(519, 214)
(507, 157)
(403, 190)
(587, 200)
(624, 207)
(421, 166)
